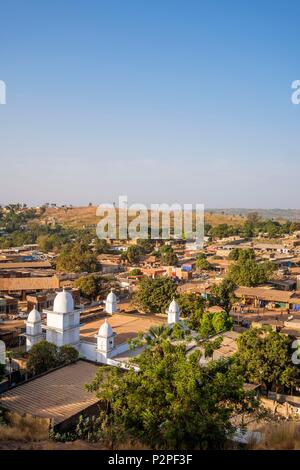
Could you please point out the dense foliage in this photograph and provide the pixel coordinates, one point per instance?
(171, 403)
(202, 263)
(192, 308)
(223, 294)
(89, 286)
(155, 295)
(77, 258)
(44, 356)
(247, 272)
(214, 323)
(266, 358)
(167, 256)
(253, 226)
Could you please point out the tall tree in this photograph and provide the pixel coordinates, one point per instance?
(223, 294)
(155, 295)
(89, 286)
(266, 358)
(172, 402)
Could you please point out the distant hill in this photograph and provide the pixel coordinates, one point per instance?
(276, 214)
(86, 216)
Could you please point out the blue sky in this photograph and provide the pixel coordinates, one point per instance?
(163, 100)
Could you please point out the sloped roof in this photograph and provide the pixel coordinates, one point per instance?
(27, 264)
(57, 395)
(29, 283)
(274, 295)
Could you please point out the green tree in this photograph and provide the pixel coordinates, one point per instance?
(167, 256)
(77, 258)
(223, 231)
(89, 286)
(202, 263)
(211, 346)
(223, 294)
(157, 334)
(247, 272)
(192, 308)
(42, 357)
(265, 357)
(135, 272)
(238, 254)
(172, 402)
(154, 295)
(146, 245)
(221, 321)
(67, 354)
(133, 254)
(206, 328)
(101, 246)
(214, 323)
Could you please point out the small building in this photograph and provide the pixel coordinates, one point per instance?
(261, 297)
(25, 285)
(8, 305)
(59, 396)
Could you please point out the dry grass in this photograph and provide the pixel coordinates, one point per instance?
(280, 436)
(24, 428)
(79, 216)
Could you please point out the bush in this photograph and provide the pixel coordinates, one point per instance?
(44, 356)
(67, 354)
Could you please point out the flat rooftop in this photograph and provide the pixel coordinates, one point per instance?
(126, 326)
(57, 395)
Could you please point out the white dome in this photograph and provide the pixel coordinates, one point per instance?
(111, 298)
(63, 302)
(105, 330)
(174, 307)
(34, 316)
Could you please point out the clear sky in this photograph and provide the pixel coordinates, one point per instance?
(162, 100)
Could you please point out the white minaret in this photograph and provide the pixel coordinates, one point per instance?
(33, 329)
(105, 339)
(173, 312)
(111, 304)
(63, 322)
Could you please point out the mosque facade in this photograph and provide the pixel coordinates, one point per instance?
(63, 327)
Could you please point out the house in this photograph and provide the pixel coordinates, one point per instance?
(271, 247)
(28, 284)
(8, 305)
(260, 297)
(59, 396)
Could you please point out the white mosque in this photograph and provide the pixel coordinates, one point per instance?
(63, 327)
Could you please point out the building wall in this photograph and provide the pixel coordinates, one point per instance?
(89, 351)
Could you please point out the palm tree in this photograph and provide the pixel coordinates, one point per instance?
(157, 334)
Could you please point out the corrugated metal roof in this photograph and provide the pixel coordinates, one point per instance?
(29, 283)
(57, 395)
(267, 294)
(25, 264)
